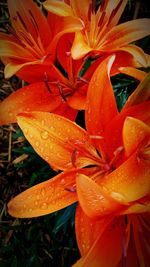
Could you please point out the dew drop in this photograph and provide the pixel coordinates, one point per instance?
(36, 143)
(44, 135)
(37, 197)
(31, 135)
(24, 206)
(62, 181)
(43, 192)
(43, 122)
(30, 210)
(10, 114)
(42, 149)
(118, 196)
(25, 131)
(44, 206)
(52, 128)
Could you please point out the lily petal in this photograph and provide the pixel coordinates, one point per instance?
(54, 137)
(113, 132)
(40, 71)
(133, 72)
(66, 25)
(101, 103)
(138, 208)
(137, 53)
(93, 199)
(58, 7)
(12, 68)
(110, 240)
(129, 180)
(134, 132)
(45, 197)
(141, 94)
(29, 98)
(116, 8)
(79, 48)
(32, 19)
(87, 229)
(124, 34)
(11, 49)
(78, 99)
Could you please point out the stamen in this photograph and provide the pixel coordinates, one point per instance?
(26, 38)
(15, 18)
(74, 157)
(61, 91)
(22, 21)
(46, 80)
(114, 12)
(71, 189)
(82, 79)
(101, 19)
(93, 6)
(99, 137)
(89, 11)
(117, 7)
(12, 31)
(68, 53)
(103, 5)
(34, 23)
(124, 249)
(116, 153)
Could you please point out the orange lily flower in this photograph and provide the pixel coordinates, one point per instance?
(101, 35)
(105, 168)
(57, 92)
(32, 40)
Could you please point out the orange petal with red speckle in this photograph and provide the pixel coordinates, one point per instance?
(45, 197)
(134, 132)
(54, 138)
(29, 98)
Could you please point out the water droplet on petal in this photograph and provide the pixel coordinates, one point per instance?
(117, 196)
(43, 122)
(62, 181)
(43, 192)
(36, 143)
(44, 135)
(30, 210)
(44, 206)
(10, 114)
(25, 131)
(52, 128)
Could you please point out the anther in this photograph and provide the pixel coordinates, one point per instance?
(74, 157)
(101, 18)
(61, 91)
(99, 137)
(114, 12)
(12, 31)
(24, 35)
(46, 82)
(34, 23)
(22, 21)
(82, 79)
(68, 53)
(71, 189)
